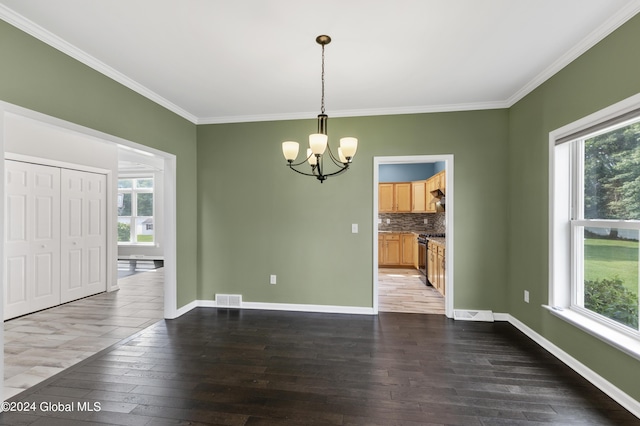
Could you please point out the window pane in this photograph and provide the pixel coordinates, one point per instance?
(611, 274)
(125, 183)
(144, 229)
(145, 204)
(612, 174)
(124, 204)
(144, 183)
(124, 229)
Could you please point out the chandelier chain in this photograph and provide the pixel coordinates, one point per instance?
(322, 101)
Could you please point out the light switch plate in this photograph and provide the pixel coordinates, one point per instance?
(354, 228)
(272, 279)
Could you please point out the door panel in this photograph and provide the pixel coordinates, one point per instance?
(32, 277)
(83, 234)
(16, 285)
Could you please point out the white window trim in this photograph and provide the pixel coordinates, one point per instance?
(560, 229)
(133, 191)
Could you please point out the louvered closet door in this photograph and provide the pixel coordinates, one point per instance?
(32, 238)
(83, 234)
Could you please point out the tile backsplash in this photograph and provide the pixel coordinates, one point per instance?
(408, 222)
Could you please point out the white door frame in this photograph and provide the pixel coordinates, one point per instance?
(415, 159)
(169, 207)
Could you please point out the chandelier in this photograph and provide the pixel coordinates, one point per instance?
(318, 142)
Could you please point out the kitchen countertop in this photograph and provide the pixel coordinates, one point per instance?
(438, 240)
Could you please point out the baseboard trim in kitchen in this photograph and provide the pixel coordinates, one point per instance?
(600, 382)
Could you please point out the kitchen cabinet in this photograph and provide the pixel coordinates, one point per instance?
(419, 196)
(407, 249)
(390, 247)
(440, 271)
(431, 269)
(436, 266)
(416, 252)
(386, 197)
(394, 197)
(395, 249)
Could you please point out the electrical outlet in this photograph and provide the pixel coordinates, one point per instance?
(272, 279)
(526, 296)
(426, 221)
(388, 221)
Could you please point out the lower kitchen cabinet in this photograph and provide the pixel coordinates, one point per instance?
(407, 248)
(395, 249)
(436, 266)
(389, 246)
(440, 268)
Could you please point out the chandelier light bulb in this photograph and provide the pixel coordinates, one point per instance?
(290, 150)
(311, 158)
(349, 146)
(318, 143)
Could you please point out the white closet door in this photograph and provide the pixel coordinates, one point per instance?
(32, 238)
(83, 234)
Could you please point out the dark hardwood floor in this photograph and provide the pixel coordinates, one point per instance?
(232, 367)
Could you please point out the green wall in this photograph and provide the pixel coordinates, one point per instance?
(36, 76)
(604, 75)
(258, 218)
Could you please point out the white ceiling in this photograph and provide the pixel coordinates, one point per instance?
(216, 61)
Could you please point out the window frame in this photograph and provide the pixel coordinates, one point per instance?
(566, 221)
(134, 207)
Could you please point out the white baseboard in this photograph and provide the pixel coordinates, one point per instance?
(497, 316)
(601, 383)
(330, 309)
(183, 310)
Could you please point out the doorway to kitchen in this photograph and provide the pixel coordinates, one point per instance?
(413, 234)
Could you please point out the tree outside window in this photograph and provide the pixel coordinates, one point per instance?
(608, 222)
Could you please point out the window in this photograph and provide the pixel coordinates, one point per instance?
(595, 225)
(135, 210)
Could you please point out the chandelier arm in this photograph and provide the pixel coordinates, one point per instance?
(342, 170)
(313, 168)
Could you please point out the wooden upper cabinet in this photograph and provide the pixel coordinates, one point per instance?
(419, 196)
(431, 202)
(394, 197)
(386, 197)
(403, 197)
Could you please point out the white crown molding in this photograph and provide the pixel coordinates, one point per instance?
(609, 26)
(356, 113)
(56, 42)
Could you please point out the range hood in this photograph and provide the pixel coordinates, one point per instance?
(437, 193)
(439, 198)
